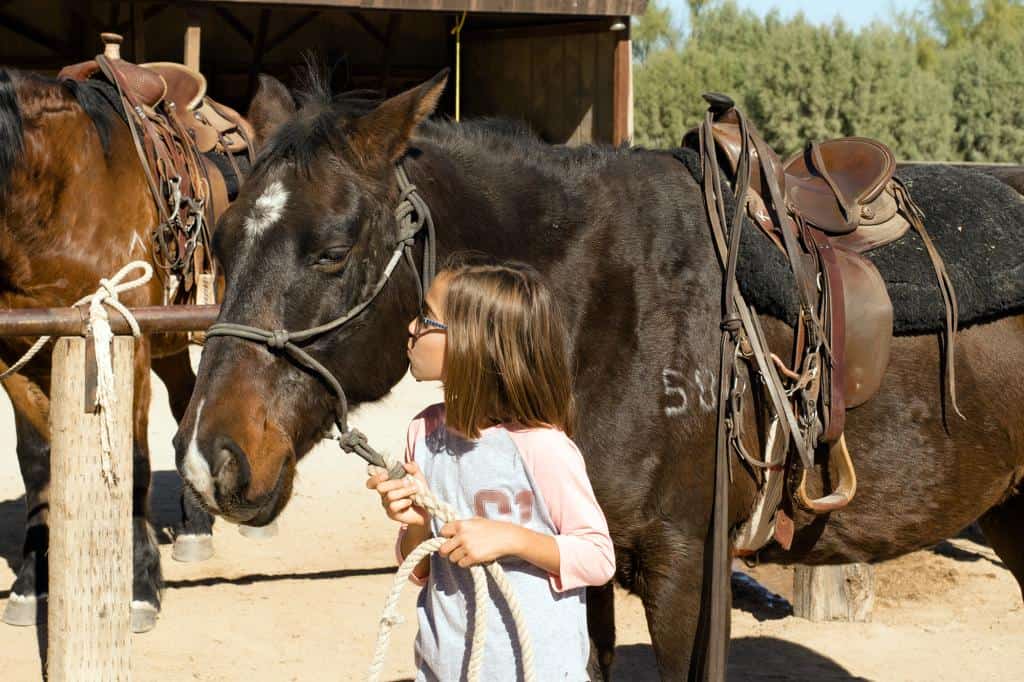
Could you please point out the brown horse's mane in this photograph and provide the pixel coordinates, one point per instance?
(26, 95)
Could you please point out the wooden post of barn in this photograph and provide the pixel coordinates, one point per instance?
(193, 37)
(90, 520)
(844, 592)
(622, 86)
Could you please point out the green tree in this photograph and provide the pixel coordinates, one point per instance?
(654, 31)
(797, 81)
(988, 97)
(955, 20)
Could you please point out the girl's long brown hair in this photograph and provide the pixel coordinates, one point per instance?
(507, 356)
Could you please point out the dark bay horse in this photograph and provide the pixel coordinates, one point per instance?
(623, 238)
(75, 207)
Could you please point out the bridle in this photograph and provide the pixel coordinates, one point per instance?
(413, 216)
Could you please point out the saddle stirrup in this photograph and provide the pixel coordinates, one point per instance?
(843, 493)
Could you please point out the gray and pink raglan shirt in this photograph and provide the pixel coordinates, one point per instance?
(534, 477)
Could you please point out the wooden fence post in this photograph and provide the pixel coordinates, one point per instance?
(823, 593)
(90, 522)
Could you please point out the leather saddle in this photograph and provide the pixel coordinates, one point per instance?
(824, 208)
(178, 131)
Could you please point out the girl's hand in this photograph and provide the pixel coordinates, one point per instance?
(396, 496)
(480, 541)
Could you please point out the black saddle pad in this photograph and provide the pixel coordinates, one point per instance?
(976, 222)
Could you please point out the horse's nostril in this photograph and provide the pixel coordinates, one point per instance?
(230, 469)
(220, 460)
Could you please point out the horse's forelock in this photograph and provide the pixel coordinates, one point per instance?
(318, 126)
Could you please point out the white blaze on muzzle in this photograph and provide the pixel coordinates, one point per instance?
(196, 469)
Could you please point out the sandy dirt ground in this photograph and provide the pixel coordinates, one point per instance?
(303, 605)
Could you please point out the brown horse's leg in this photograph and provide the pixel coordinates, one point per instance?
(601, 625)
(176, 373)
(148, 579)
(1002, 527)
(193, 539)
(26, 604)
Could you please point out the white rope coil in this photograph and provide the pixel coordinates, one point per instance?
(103, 336)
(389, 617)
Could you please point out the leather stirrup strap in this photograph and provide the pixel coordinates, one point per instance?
(779, 211)
(843, 493)
(834, 381)
(916, 219)
(132, 108)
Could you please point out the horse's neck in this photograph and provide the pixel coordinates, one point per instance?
(504, 206)
(80, 213)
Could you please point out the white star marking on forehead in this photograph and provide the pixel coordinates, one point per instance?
(267, 209)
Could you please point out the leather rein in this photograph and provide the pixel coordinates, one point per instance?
(413, 216)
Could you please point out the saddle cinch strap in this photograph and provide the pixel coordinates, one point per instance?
(824, 208)
(176, 130)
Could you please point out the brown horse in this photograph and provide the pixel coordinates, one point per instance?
(75, 207)
(623, 238)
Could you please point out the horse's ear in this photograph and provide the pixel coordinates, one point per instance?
(272, 106)
(381, 136)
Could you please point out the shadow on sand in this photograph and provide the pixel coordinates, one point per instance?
(750, 658)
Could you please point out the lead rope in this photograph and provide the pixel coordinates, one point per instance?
(99, 329)
(390, 617)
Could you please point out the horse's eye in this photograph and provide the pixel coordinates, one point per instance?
(332, 256)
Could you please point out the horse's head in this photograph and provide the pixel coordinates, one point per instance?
(307, 240)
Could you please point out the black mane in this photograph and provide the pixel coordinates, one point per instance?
(98, 100)
(315, 128)
(10, 127)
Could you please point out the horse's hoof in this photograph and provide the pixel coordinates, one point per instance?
(192, 548)
(143, 616)
(258, 532)
(23, 611)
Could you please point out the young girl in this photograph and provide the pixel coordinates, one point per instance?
(499, 450)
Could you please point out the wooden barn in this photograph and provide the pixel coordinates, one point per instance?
(564, 66)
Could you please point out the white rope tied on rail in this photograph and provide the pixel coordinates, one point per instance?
(103, 336)
(389, 617)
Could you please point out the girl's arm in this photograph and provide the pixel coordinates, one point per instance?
(409, 539)
(586, 554)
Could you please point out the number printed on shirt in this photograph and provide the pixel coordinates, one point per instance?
(503, 503)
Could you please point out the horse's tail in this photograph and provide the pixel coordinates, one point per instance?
(10, 126)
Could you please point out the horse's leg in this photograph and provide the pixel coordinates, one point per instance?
(1002, 526)
(26, 604)
(670, 584)
(193, 539)
(148, 579)
(601, 625)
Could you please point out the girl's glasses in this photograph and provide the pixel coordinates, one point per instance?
(426, 322)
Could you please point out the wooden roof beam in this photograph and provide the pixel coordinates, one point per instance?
(26, 30)
(234, 22)
(577, 7)
(291, 30)
(369, 27)
(149, 13)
